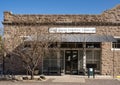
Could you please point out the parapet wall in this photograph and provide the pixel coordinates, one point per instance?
(109, 16)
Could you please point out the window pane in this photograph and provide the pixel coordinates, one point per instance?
(93, 45)
(71, 45)
(116, 44)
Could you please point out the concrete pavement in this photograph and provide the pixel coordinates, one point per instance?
(87, 82)
(67, 80)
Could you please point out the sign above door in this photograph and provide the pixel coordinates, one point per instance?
(72, 30)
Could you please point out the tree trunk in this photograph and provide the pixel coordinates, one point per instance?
(27, 72)
(32, 74)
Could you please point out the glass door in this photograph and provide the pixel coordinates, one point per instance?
(74, 62)
(71, 61)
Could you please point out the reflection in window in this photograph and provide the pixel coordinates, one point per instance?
(71, 45)
(93, 57)
(93, 45)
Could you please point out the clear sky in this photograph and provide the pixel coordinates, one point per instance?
(56, 6)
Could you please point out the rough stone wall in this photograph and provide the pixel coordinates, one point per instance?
(15, 26)
(13, 34)
(107, 64)
(116, 62)
(106, 59)
(110, 60)
(112, 15)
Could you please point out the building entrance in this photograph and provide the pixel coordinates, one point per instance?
(71, 61)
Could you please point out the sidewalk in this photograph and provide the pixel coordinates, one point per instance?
(75, 78)
(80, 76)
(66, 78)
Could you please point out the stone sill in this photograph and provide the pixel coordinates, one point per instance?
(115, 49)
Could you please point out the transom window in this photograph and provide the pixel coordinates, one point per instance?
(80, 45)
(116, 44)
(71, 45)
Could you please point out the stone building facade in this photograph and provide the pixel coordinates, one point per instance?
(106, 24)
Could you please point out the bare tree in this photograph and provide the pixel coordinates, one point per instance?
(33, 50)
(3, 52)
(1, 58)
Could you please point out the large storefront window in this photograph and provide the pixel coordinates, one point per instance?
(93, 57)
(51, 63)
(69, 58)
